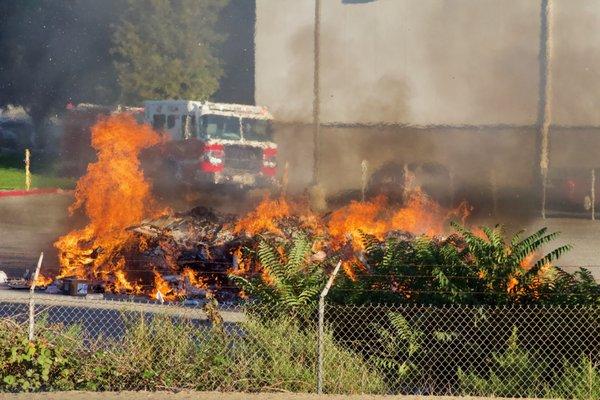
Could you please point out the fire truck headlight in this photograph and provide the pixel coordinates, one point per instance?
(269, 164)
(214, 160)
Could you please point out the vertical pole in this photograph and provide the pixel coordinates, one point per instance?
(316, 93)
(593, 193)
(321, 348)
(545, 94)
(27, 170)
(406, 183)
(31, 290)
(285, 179)
(186, 127)
(364, 166)
(494, 187)
(451, 188)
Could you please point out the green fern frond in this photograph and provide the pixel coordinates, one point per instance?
(301, 247)
(527, 242)
(554, 255)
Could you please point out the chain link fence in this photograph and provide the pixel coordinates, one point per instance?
(506, 351)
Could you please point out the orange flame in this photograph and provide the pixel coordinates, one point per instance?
(193, 278)
(114, 195)
(527, 262)
(420, 215)
(124, 285)
(162, 286)
(347, 222)
(42, 280)
(264, 218)
(346, 225)
(512, 283)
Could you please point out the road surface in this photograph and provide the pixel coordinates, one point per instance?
(29, 225)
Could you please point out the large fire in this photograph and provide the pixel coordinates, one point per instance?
(114, 195)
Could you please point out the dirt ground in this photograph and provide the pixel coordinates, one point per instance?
(205, 396)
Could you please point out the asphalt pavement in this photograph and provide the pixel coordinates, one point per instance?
(29, 225)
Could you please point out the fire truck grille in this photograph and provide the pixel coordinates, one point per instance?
(243, 158)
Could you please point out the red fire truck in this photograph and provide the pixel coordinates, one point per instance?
(207, 143)
(213, 143)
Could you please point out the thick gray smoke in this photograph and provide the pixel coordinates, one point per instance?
(454, 83)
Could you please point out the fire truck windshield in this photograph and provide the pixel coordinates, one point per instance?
(221, 127)
(257, 129)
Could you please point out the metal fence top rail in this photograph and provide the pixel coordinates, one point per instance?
(513, 306)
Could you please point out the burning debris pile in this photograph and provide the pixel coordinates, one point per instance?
(133, 245)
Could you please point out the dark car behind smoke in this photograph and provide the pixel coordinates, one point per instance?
(573, 193)
(15, 136)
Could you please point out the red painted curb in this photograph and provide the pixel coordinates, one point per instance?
(14, 193)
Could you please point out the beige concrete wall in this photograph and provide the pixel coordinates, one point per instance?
(470, 154)
(428, 62)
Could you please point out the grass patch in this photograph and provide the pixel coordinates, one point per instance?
(13, 178)
(165, 353)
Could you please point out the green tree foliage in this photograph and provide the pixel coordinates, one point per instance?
(409, 269)
(575, 288)
(509, 265)
(56, 51)
(166, 49)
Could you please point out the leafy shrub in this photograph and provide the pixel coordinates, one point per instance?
(577, 288)
(465, 268)
(285, 357)
(168, 353)
(407, 269)
(578, 381)
(517, 372)
(291, 280)
(27, 366)
(400, 350)
(514, 373)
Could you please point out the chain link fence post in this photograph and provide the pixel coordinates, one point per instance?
(31, 291)
(321, 334)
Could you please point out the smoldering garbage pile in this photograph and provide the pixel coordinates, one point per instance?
(190, 252)
(190, 255)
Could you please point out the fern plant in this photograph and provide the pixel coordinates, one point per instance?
(404, 268)
(501, 262)
(291, 280)
(577, 288)
(399, 344)
(404, 349)
(513, 372)
(466, 267)
(578, 381)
